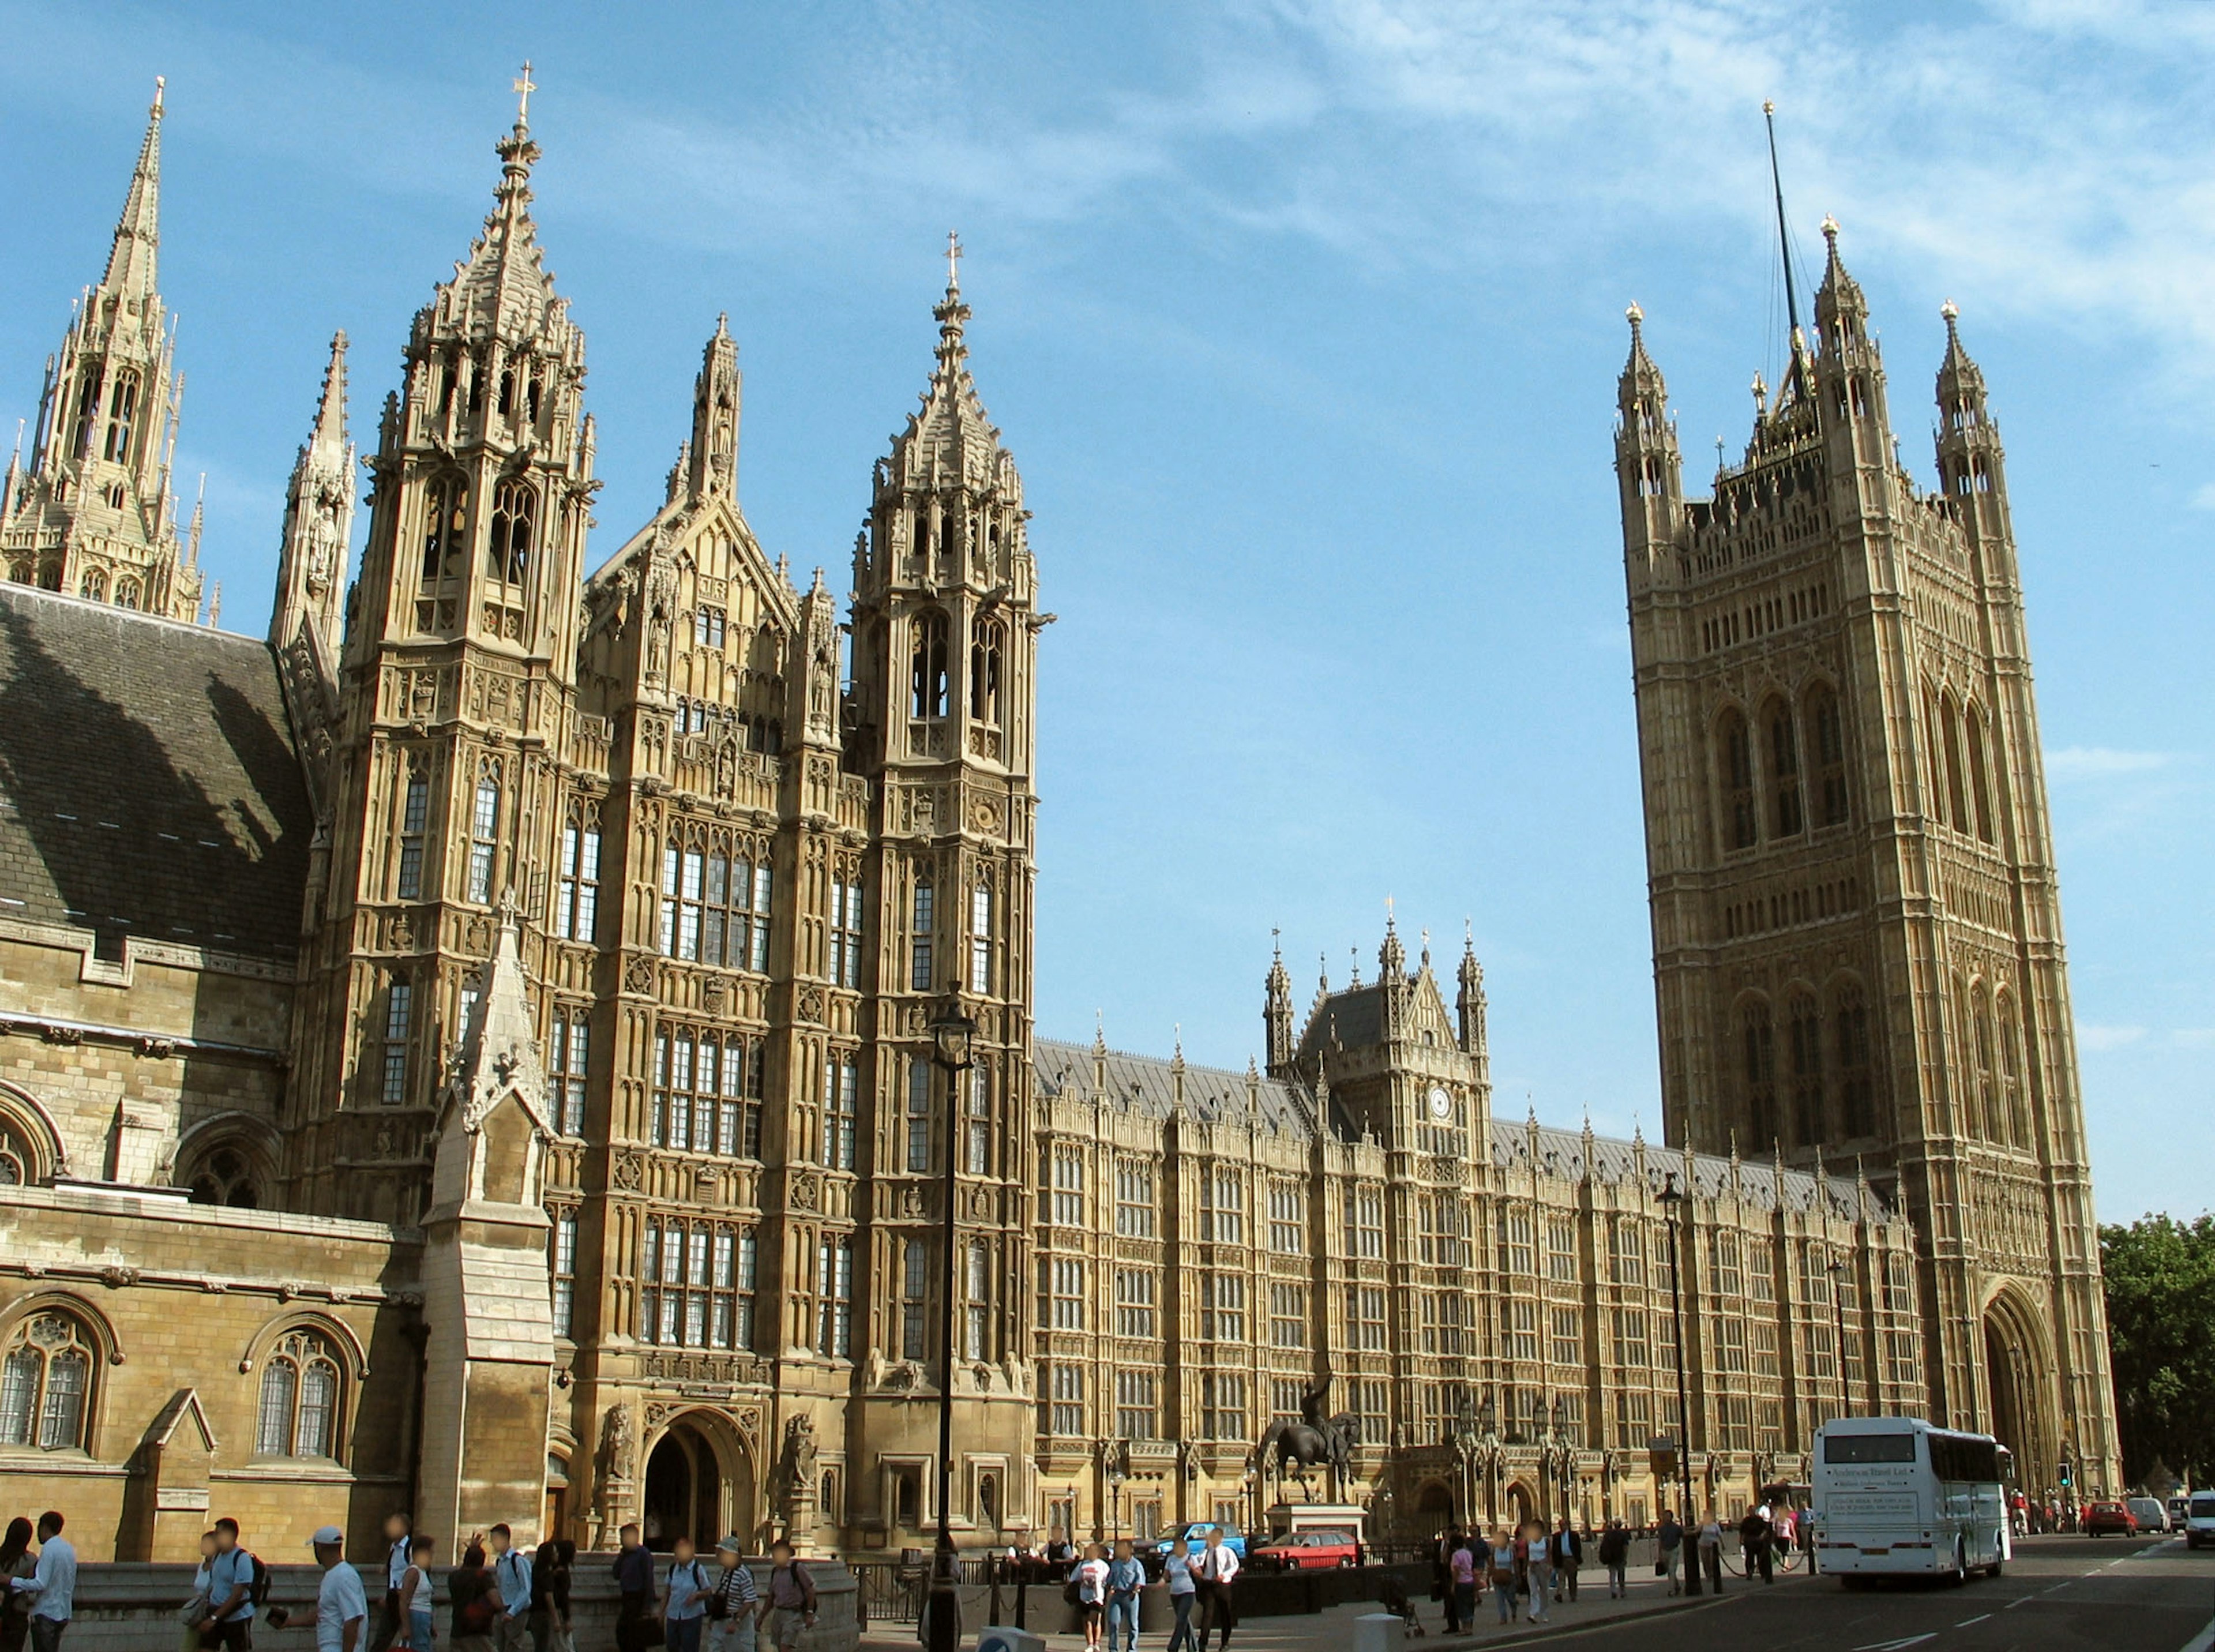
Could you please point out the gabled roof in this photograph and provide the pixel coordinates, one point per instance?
(1147, 1084)
(150, 783)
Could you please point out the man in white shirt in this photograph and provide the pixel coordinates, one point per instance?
(1219, 1567)
(342, 1614)
(52, 1587)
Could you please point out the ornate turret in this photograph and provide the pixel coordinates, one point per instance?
(1277, 1014)
(305, 618)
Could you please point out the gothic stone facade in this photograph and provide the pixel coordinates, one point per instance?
(1856, 920)
(473, 1051)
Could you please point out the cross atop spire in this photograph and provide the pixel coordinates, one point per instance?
(130, 260)
(952, 264)
(523, 88)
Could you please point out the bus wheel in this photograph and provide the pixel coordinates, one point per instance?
(1960, 1563)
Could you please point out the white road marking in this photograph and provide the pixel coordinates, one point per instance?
(1979, 1618)
(2204, 1640)
(1901, 1645)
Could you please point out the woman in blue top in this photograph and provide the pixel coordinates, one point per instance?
(1176, 1571)
(685, 1608)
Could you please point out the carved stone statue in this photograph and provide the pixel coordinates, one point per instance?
(800, 1456)
(615, 1447)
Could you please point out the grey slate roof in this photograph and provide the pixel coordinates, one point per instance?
(149, 784)
(1561, 1152)
(1147, 1083)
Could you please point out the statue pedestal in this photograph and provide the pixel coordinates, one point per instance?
(1286, 1518)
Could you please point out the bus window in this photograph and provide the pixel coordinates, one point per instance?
(1869, 1448)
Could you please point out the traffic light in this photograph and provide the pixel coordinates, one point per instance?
(2065, 1472)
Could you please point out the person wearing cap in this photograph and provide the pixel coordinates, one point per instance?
(342, 1614)
(734, 1601)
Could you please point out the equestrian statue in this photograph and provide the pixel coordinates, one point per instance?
(1313, 1441)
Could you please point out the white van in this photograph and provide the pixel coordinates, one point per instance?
(2199, 1524)
(2151, 1517)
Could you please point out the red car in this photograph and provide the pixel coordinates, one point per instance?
(1308, 1551)
(2100, 1519)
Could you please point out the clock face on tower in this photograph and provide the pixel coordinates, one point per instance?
(1441, 1104)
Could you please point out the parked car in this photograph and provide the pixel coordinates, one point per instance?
(1196, 1535)
(2100, 1520)
(1308, 1551)
(2200, 1523)
(2148, 1513)
(2179, 1510)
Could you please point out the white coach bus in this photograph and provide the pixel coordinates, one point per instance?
(1894, 1495)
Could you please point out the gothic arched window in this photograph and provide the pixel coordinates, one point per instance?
(94, 586)
(1950, 718)
(514, 513)
(1828, 723)
(2013, 1104)
(1758, 1040)
(414, 814)
(122, 412)
(1856, 1088)
(226, 1176)
(46, 1385)
(977, 1302)
(299, 1411)
(126, 594)
(1785, 812)
(919, 933)
(1933, 743)
(980, 938)
(578, 897)
(928, 673)
(1985, 1121)
(87, 414)
(984, 643)
(1735, 742)
(1980, 794)
(979, 1135)
(445, 514)
(1804, 1023)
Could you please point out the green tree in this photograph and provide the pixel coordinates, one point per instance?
(2161, 1325)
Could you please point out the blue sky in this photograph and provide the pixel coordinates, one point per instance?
(1303, 320)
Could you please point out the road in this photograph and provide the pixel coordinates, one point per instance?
(2101, 1594)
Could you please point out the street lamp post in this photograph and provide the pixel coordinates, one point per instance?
(1838, 1271)
(952, 1032)
(1118, 1453)
(1669, 1198)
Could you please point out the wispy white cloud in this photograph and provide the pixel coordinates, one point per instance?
(2102, 763)
(2098, 1038)
(2193, 1038)
(2204, 498)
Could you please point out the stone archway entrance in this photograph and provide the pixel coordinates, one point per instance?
(699, 1485)
(1522, 1506)
(1434, 1509)
(2015, 1416)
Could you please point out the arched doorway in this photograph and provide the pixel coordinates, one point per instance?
(1434, 1509)
(2016, 1417)
(699, 1483)
(1522, 1505)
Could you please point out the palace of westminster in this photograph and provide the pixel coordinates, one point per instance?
(474, 1051)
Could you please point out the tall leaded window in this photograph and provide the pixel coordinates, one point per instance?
(1222, 1207)
(1987, 1122)
(918, 1113)
(980, 939)
(846, 933)
(1957, 810)
(561, 1267)
(1134, 1302)
(834, 1327)
(46, 1385)
(984, 648)
(1758, 1043)
(978, 1134)
(1741, 821)
(414, 814)
(568, 1049)
(1784, 817)
(842, 1086)
(915, 1295)
(689, 1272)
(1067, 1416)
(1134, 1199)
(977, 1303)
(1136, 1410)
(514, 519)
(2011, 1101)
(88, 413)
(927, 670)
(399, 1011)
(577, 898)
(707, 1092)
(122, 414)
(1223, 1311)
(1980, 793)
(1804, 1025)
(745, 1273)
(1828, 725)
(298, 1416)
(1223, 1405)
(714, 906)
(484, 838)
(1856, 1085)
(445, 518)
(1067, 1165)
(1288, 1218)
(919, 961)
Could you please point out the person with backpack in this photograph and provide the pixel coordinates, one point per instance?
(791, 1598)
(1614, 1555)
(733, 1602)
(391, 1619)
(234, 1578)
(414, 1603)
(472, 1601)
(511, 1571)
(1503, 1575)
(683, 1599)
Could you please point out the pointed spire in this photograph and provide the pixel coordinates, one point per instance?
(951, 313)
(709, 462)
(200, 518)
(130, 260)
(331, 409)
(505, 267)
(1840, 296)
(215, 608)
(1392, 957)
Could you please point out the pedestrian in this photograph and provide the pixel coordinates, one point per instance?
(1503, 1575)
(472, 1602)
(415, 1591)
(1091, 1577)
(1184, 1590)
(1461, 1587)
(1537, 1576)
(1218, 1569)
(684, 1600)
(1442, 1583)
(1669, 1555)
(549, 1596)
(391, 1619)
(229, 1625)
(341, 1613)
(191, 1614)
(1125, 1577)
(1614, 1555)
(633, 1572)
(733, 1602)
(51, 1585)
(16, 1561)
(1753, 1543)
(510, 1573)
(1710, 1559)
(1568, 1558)
(791, 1599)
